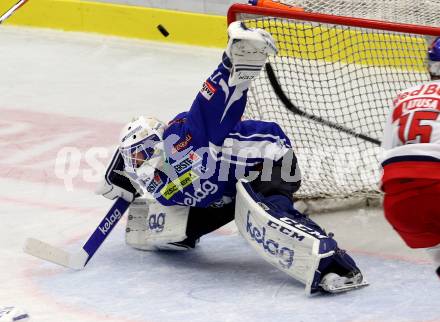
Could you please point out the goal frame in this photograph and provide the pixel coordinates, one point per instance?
(314, 205)
(238, 8)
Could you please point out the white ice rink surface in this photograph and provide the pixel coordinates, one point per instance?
(62, 89)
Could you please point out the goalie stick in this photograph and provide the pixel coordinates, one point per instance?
(8, 13)
(80, 259)
(290, 106)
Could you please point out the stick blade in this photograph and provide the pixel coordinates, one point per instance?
(54, 254)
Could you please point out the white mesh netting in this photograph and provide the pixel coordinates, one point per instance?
(343, 74)
(419, 12)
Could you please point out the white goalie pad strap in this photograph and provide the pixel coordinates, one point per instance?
(151, 225)
(279, 242)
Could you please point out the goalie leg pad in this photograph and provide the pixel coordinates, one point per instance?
(293, 242)
(279, 238)
(151, 226)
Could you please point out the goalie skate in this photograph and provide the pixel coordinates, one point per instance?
(333, 283)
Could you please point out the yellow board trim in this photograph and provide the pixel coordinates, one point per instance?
(121, 20)
(349, 46)
(331, 45)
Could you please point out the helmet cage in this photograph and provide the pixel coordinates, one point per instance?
(137, 154)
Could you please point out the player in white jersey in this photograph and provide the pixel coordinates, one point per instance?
(411, 162)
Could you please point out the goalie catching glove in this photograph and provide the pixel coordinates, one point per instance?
(247, 50)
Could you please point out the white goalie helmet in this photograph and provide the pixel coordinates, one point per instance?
(141, 146)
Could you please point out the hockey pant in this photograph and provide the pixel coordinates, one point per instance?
(202, 221)
(412, 207)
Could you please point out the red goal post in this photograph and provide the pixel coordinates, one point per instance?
(330, 88)
(237, 9)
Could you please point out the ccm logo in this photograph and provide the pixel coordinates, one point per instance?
(286, 231)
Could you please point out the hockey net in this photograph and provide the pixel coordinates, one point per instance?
(420, 12)
(339, 76)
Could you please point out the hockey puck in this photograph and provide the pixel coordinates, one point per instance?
(163, 31)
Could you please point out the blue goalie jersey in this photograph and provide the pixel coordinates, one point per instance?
(209, 147)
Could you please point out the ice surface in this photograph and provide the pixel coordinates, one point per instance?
(65, 89)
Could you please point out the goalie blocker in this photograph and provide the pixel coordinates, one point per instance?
(294, 244)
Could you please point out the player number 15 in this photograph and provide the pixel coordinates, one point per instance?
(415, 129)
